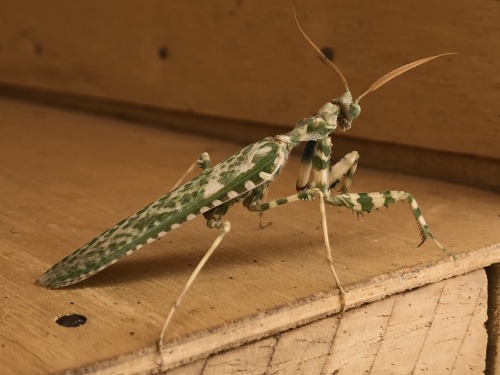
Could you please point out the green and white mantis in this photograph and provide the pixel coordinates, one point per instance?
(245, 177)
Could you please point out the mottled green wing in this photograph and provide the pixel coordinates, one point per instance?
(254, 165)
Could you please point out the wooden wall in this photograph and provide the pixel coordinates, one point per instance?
(247, 63)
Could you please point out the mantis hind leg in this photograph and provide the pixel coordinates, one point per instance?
(224, 228)
(203, 162)
(214, 220)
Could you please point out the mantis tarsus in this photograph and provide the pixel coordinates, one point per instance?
(245, 177)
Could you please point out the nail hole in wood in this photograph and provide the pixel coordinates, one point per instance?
(163, 53)
(72, 320)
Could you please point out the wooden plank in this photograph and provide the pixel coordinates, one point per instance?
(246, 60)
(66, 177)
(436, 327)
(318, 306)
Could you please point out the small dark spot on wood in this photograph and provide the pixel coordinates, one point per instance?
(329, 52)
(72, 320)
(38, 49)
(131, 333)
(163, 53)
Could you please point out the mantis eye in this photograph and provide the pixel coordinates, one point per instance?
(354, 110)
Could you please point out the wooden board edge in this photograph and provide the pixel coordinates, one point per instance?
(493, 322)
(303, 311)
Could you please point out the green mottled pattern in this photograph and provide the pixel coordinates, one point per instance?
(321, 165)
(365, 201)
(259, 163)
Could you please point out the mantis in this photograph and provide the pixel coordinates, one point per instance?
(245, 177)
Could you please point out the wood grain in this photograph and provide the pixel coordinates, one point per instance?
(66, 177)
(436, 327)
(247, 61)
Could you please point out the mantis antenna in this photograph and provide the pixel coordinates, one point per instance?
(379, 82)
(321, 54)
(398, 71)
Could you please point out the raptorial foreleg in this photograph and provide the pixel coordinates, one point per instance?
(341, 173)
(316, 157)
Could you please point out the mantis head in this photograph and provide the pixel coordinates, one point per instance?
(347, 108)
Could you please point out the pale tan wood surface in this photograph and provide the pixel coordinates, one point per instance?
(435, 329)
(67, 177)
(247, 60)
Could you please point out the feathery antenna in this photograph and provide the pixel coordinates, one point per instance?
(398, 71)
(321, 54)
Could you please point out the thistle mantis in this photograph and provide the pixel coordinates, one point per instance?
(245, 177)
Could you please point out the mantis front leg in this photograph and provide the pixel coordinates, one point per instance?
(340, 174)
(315, 158)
